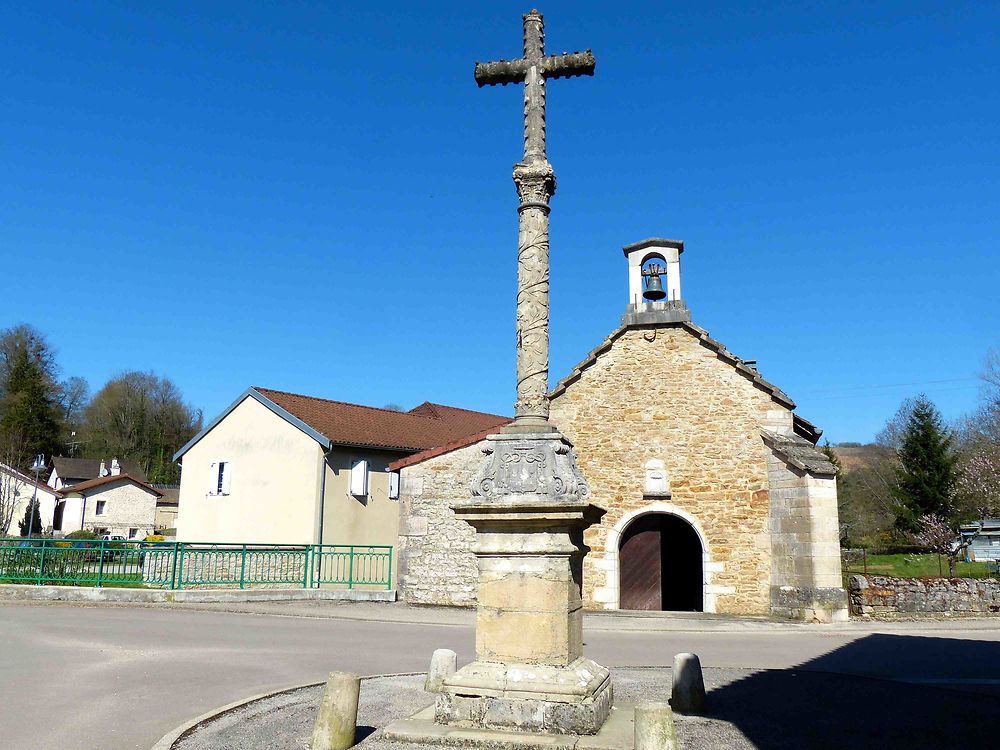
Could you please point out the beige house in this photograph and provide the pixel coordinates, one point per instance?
(167, 508)
(283, 468)
(16, 491)
(717, 499)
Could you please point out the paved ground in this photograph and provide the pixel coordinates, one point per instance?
(747, 710)
(119, 677)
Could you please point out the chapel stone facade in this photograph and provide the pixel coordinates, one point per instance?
(717, 499)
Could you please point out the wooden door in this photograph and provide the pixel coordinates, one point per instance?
(640, 564)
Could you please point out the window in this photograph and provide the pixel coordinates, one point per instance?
(394, 485)
(359, 478)
(219, 477)
(100, 530)
(133, 533)
(99, 510)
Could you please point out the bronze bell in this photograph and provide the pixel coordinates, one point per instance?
(654, 288)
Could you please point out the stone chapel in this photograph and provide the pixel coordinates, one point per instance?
(717, 498)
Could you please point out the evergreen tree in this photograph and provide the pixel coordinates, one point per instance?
(926, 477)
(28, 409)
(32, 520)
(831, 456)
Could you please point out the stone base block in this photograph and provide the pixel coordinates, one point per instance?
(617, 734)
(809, 603)
(575, 699)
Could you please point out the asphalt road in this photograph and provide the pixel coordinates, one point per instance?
(120, 677)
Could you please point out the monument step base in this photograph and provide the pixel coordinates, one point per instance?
(618, 733)
(544, 698)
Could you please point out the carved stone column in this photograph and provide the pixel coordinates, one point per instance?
(536, 183)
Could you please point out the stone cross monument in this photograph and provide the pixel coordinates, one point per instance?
(536, 183)
(529, 501)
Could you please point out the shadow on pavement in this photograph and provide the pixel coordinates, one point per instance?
(804, 708)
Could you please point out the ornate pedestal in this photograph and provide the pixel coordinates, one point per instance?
(529, 510)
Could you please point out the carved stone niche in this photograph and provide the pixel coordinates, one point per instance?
(657, 480)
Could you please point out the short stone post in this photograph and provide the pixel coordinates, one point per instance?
(654, 727)
(688, 694)
(444, 663)
(337, 720)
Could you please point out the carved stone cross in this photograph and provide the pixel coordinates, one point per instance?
(536, 183)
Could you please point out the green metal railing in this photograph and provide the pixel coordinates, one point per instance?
(174, 565)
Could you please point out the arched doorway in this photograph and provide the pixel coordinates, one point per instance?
(660, 565)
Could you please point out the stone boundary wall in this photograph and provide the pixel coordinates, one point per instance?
(435, 563)
(885, 597)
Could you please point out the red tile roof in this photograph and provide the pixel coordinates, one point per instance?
(82, 487)
(440, 450)
(426, 426)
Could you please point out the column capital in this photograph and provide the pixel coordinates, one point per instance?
(536, 183)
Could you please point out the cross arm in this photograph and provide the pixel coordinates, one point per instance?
(501, 72)
(569, 65)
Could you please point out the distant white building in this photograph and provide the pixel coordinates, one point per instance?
(985, 540)
(115, 504)
(107, 496)
(16, 490)
(70, 471)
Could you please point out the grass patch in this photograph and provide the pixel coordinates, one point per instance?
(917, 566)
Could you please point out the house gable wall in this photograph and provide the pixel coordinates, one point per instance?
(275, 481)
(23, 490)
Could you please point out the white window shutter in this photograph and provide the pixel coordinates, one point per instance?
(393, 485)
(359, 478)
(213, 478)
(227, 475)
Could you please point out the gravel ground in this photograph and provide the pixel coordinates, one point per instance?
(771, 709)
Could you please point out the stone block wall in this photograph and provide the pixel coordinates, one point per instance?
(805, 545)
(662, 395)
(885, 597)
(436, 564)
(126, 506)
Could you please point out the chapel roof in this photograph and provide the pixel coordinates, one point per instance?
(744, 367)
(800, 453)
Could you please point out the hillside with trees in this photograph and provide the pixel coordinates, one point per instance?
(137, 416)
(921, 478)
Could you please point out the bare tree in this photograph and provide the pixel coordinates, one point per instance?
(74, 394)
(142, 417)
(11, 480)
(891, 435)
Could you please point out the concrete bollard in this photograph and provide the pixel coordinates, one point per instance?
(444, 662)
(654, 727)
(688, 694)
(337, 720)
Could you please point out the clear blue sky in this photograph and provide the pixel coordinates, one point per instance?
(316, 197)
